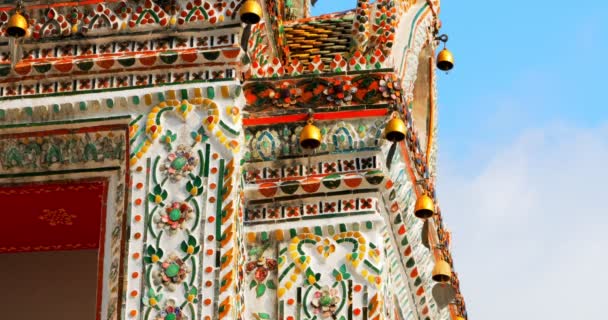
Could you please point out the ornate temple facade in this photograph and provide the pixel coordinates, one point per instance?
(229, 168)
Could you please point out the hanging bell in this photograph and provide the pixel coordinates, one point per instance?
(445, 60)
(251, 12)
(395, 130)
(17, 25)
(310, 137)
(442, 272)
(425, 207)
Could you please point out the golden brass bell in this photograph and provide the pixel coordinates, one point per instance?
(425, 207)
(445, 60)
(17, 25)
(442, 272)
(251, 12)
(310, 137)
(395, 130)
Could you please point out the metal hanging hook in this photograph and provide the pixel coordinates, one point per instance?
(443, 38)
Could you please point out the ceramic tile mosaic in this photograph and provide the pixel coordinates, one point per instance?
(214, 210)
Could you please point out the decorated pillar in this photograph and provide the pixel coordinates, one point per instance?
(186, 155)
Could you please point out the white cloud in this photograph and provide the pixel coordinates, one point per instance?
(529, 225)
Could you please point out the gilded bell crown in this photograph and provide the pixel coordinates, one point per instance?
(395, 130)
(442, 272)
(310, 137)
(445, 60)
(425, 207)
(17, 25)
(251, 12)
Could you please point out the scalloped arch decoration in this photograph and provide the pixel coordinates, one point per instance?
(99, 19)
(211, 123)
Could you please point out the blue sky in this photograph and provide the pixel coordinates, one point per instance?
(524, 153)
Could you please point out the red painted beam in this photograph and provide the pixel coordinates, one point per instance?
(325, 116)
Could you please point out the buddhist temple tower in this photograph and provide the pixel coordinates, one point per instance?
(230, 159)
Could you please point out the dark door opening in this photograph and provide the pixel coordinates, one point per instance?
(52, 285)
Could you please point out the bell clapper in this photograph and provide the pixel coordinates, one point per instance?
(308, 160)
(13, 45)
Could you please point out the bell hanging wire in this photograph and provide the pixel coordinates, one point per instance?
(308, 161)
(422, 184)
(14, 50)
(309, 152)
(173, 7)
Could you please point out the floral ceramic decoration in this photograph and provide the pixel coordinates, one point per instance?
(390, 87)
(285, 95)
(260, 267)
(195, 187)
(339, 91)
(325, 303)
(184, 109)
(153, 255)
(173, 271)
(171, 312)
(341, 273)
(179, 163)
(152, 298)
(158, 195)
(199, 135)
(174, 217)
(191, 294)
(191, 246)
(168, 138)
(326, 248)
